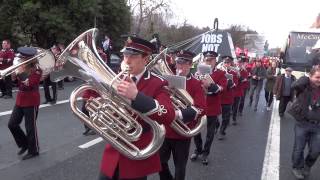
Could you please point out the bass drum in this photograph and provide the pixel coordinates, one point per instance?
(46, 63)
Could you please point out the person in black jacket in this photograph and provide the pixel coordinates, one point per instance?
(306, 111)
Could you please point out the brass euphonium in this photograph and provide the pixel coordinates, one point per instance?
(110, 115)
(181, 99)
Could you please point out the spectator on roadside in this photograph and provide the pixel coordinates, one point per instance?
(107, 46)
(47, 81)
(60, 83)
(6, 60)
(268, 88)
(258, 74)
(282, 89)
(306, 111)
(103, 55)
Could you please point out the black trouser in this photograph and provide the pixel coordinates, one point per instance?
(255, 89)
(284, 100)
(242, 99)
(116, 176)
(46, 83)
(60, 83)
(212, 122)
(235, 107)
(30, 139)
(6, 86)
(269, 97)
(226, 109)
(180, 152)
(86, 112)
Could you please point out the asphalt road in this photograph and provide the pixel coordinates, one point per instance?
(239, 157)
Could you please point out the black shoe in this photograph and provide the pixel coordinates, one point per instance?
(91, 132)
(22, 150)
(53, 101)
(46, 102)
(234, 123)
(194, 156)
(297, 173)
(60, 88)
(86, 132)
(205, 160)
(221, 137)
(306, 170)
(281, 114)
(29, 156)
(7, 97)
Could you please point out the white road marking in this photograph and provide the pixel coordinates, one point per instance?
(91, 143)
(271, 162)
(4, 113)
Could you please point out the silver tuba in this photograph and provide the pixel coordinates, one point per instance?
(44, 58)
(110, 115)
(180, 98)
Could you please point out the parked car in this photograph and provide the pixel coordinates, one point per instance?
(114, 63)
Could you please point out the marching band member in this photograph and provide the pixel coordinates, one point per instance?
(47, 81)
(174, 143)
(244, 83)
(238, 92)
(148, 96)
(227, 95)
(27, 105)
(6, 60)
(213, 101)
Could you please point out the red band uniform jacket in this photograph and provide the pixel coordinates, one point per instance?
(213, 97)
(244, 79)
(28, 95)
(6, 58)
(227, 96)
(190, 116)
(152, 100)
(237, 90)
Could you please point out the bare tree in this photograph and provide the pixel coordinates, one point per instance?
(145, 9)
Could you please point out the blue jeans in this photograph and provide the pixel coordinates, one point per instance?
(305, 133)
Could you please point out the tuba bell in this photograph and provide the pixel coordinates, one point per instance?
(110, 115)
(180, 98)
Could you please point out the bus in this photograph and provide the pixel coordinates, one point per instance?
(298, 51)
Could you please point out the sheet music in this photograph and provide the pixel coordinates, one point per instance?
(178, 82)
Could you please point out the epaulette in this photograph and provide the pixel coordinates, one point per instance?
(158, 76)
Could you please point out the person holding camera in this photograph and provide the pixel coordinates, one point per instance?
(306, 111)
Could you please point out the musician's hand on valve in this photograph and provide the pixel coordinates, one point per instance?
(128, 89)
(206, 83)
(26, 82)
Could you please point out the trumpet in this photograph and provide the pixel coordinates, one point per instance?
(110, 115)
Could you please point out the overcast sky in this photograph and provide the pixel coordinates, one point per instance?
(272, 18)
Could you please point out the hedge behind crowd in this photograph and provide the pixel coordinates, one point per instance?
(45, 22)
